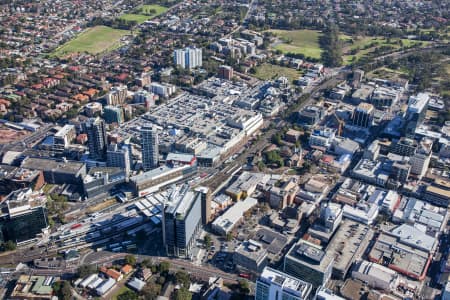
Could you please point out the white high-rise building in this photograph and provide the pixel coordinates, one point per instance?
(150, 149)
(188, 58)
(276, 285)
(179, 57)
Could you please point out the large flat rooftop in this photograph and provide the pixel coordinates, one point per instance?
(350, 241)
(389, 251)
(310, 255)
(50, 164)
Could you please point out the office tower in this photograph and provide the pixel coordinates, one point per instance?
(143, 97)
(182, 220)
(205, 194)
(93, 109)
(225, 72)
(400, 171)
(150, 149)
(357, 77)
(276, 285)
(64, 137)
(330, 217)
(23, 216)
(188, 58)
(421, 159)
(309, 262)
(373, 151)
(163, 90)
(117, 95)
(415, 114)
(96, 133)
(113, 114)
(363, 115)
(404, 146)
(144, 79)
(119, 156)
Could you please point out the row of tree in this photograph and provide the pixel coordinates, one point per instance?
(332, 47)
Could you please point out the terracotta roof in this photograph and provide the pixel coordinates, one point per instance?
(126, 269)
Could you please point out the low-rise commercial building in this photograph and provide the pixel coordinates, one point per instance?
(151, 181)
(34, 287)
(399, 252)
(365, 213)
(376, 276)
(414, 211)
(371, 172)
(250, 255)
(438, 194)
(57, 172)
(310, 115)
(100, 181)
(226, 222)
(245, 185)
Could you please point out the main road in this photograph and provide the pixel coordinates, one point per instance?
(106, 258)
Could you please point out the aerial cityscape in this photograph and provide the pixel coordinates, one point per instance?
(224, 150)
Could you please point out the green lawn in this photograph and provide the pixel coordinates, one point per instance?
(269, 71)
(93, 40)
(304, 42)
(121, 291)
(144, 13)
(361, 46)
(387, 73)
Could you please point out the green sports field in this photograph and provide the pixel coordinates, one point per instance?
(357, 47)
(144, 13)
(93, 40)
(269, 71)
(304, 42)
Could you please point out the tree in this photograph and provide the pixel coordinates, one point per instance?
(151, 291)
(164, 267)
(63, 290)
(182, 278)
(9, 245)
(207, 241)
(243, 286)
(332, 54)
(276, 139)
(86, 270)
(229, 236)
(183, 294)
(273, 157)
(130, 259)
(72, 113)
(146, 263)
(161, 280)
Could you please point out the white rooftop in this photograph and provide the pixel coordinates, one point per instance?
(234, 213)
(284, 280)
(417, 103)
(414, 237)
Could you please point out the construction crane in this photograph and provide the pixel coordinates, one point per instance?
(341, 124)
